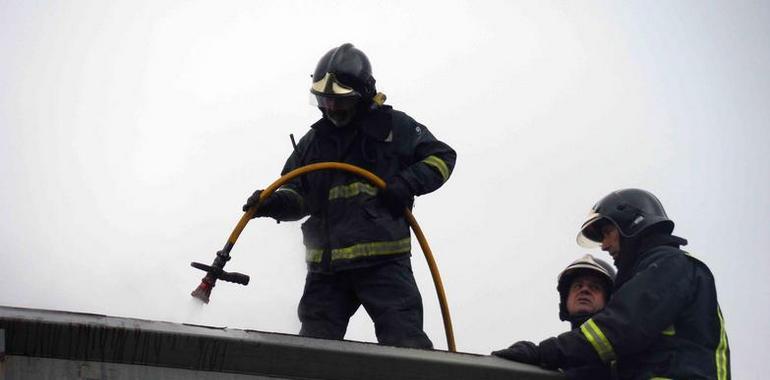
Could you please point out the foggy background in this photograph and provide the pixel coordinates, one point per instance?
(131, 132)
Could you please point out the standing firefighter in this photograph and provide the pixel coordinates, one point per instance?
(663, 320)
(357, 240)
(584, 287)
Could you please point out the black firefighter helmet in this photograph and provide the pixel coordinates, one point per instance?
(342, 83)
(632, 211)
(584, 265)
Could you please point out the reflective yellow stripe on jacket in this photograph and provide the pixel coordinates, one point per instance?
(355, 251)
(721, 353)
(600, 343)
(439, 164)
(351, 190)
(721, 359)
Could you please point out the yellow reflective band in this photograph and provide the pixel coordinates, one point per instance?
(313, 255)
(597, 339)
(438, 164)
(660, 378)
(372, 249)
(669, 331)
(721, 353)
(351, 190)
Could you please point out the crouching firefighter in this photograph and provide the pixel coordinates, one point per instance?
(357, 240)
(585, 287)
(663, 320)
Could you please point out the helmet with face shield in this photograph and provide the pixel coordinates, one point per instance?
(342, 84)
(631, 211)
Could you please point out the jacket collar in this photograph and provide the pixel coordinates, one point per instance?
(576, 320)
(634, 249)
(376, 123)
(658, 240)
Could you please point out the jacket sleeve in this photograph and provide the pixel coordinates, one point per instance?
(433, 161)
(293, 193)
(635, 316)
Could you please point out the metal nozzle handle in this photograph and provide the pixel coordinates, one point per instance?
(219, 274)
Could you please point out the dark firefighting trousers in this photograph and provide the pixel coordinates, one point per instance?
(388, 293)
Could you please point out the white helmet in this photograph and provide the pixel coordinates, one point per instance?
(589, 264)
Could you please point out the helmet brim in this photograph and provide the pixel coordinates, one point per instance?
(589, 268)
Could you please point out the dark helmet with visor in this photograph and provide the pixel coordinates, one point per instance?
(584, 265)
(342, 81)
(632, 211)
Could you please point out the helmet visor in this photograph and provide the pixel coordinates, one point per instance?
(590, 235)
(334, 103)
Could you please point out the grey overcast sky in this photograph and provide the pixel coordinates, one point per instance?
(131, 132)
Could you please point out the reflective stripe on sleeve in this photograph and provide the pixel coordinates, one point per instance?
(313, 255)
(439, 164)
(669, 331)
(721, 352)
(596, 337)
(351, 190)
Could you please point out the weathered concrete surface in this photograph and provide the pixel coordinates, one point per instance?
(43, 344)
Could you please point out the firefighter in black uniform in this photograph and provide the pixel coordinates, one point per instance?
(357, 240)
(663, 320)
(585, 286)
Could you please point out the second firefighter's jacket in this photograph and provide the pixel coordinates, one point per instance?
(663, 322)
(349, 226)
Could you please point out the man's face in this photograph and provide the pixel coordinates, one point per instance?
(586, 295)
(611, 240)
(340, 117)
(339, 110)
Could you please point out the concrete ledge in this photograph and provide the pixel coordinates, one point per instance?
(162, 349)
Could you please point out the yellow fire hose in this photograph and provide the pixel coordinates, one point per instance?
(204, 289)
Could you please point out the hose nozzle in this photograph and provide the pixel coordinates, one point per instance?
(203, 291)
(216, 272)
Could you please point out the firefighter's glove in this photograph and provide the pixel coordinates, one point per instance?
(269, 207)
(522, 352)
(397, 196)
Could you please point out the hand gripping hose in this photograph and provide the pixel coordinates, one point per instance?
(215, 271)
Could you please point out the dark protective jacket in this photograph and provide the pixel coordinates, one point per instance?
(349, 226)
(663, 321)
(590, 371)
